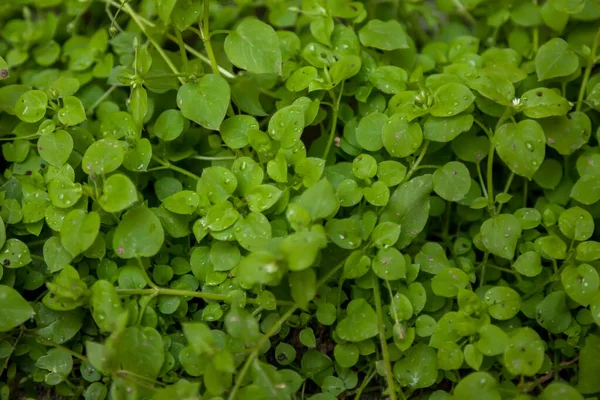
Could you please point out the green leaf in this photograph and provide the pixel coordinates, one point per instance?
(554, 59)
(446, 129)
(303, 286)
(589, 361)
(528, 264)
(451, 99)
(31, 106)
(72, 113)
(140, 351)
(360, 322)
(521, 146)
(389, 35)
(409, 207)
(169, 125)
(103, 157)
(55, 147)
(79, 230)
(15, 254)
(254, 46)
(106, 305)
(417, 369)
(580, 282)
(500, 235)
(118, 193)
(205, 102)
(452, 182)
(543, 102)
(587, 189)
(400, 138)
(139, 234)
(503, 302)
(478, 385)
(552, 313)
(14, 310)
(576, 224)
(369, 131)
(525, 352)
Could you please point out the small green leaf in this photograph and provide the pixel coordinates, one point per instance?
(554, 59)
(205, 102)
(139, 234)
(360, 323)
(521, 146)
(389, 35)
(254, 46)
(118, 193)
(79, 230)
(14, 310)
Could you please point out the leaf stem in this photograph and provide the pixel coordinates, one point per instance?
(204, 30)
(588, 71)
(145, 273)
(215, 158)
(506, 187)
(415, 166)
(336, 108)
(170, 166)
(481, 181)
(104, 96)
(61, 347)
(274, 328)
(136, 18)
(384, 349)
(365, 383)
(182, 52)
(490, 180)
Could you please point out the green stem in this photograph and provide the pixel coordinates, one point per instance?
(20, 138)
(172, 167)
(588, 71)
(506, 187)
(481, 181)
(384, 349)
(365, 383)
(188, 293)
(136, 18)
(483, 266)
(145, 273)
(415, 166)
(206, 39)
(216, 158)
(182, 52)
(336, 109)
(14, 346)
(61, 347)
(240, 378)
(104, 96)
(490, 180)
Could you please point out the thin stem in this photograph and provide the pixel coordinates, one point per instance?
(182, 52)
(5, 365)
(506, 187)
(483, 266)
(588, 71)
(240, 378)
(206, 39)
(415, 166)
(61, 347)
(216, 158)
(525, 191)
(274, 328)
(481, 181)
(104, 96)
(202, 57)
(365, 383)
(136, 18)
(490, 180)
(170, 166)
(20, 138)
(384, 349)
(188, 293)
(336, 109)
(146, 277)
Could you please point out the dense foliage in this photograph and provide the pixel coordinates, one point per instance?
(299, 199)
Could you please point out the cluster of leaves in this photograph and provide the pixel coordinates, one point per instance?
(299, 199)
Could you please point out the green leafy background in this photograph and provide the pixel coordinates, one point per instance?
(299, 199)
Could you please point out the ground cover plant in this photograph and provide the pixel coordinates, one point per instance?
(299, 199)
